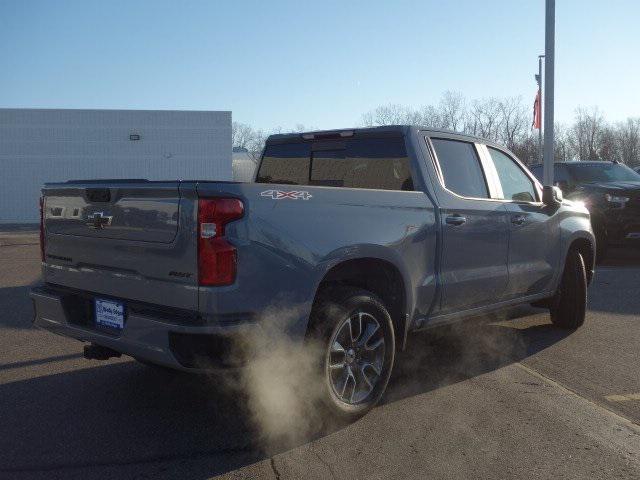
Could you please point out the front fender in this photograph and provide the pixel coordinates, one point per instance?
(577, 227)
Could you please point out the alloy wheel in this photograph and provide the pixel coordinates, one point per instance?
(355, 357)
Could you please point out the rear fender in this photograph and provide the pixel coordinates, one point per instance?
(373, 252)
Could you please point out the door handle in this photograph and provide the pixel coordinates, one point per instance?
(517, 219)
(455, 219)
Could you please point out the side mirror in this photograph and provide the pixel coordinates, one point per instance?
(551, 195)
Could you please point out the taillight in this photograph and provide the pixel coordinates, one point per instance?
(217, 258)
(42, 237)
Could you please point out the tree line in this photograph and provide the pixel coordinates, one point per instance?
(505, 120)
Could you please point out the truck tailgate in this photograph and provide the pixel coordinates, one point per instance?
(127, 239)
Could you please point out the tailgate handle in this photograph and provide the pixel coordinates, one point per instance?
(455, 219)
(99, 195)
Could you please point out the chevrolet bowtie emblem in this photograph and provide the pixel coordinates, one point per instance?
(99, 220)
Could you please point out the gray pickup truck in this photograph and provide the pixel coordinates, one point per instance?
(362, 236)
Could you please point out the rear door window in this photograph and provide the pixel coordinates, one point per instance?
(460, 167)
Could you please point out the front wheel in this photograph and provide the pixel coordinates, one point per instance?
(570, 304)
(357, 348)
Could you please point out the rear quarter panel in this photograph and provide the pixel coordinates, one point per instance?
(286, 246)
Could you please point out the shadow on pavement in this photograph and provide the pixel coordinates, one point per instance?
(128, 416)
(16, 307)
(39, 361)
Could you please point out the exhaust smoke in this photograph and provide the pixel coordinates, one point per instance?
(281, 380)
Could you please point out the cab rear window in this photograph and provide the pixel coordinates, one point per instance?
(286, 163)
(355, 163)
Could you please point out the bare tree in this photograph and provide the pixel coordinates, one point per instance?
(430, 117)
(485, 118)
(451, 111)
(504, 120)
(513, 123)
(562, 147)
(256, 145)
(607, 144)
(391, 114)
(527, 150)
(586, 132)
(628, 141)
(241, 134)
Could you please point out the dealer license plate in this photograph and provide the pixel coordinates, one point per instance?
(109, 314)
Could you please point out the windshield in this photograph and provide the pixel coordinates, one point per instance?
(602, 172)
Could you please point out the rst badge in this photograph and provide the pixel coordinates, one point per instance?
(281, 195)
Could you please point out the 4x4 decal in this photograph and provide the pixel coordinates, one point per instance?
(280, 195)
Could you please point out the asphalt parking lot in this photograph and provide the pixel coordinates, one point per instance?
(514, 398)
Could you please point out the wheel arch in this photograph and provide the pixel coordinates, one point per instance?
(585, 245)
(380, 276)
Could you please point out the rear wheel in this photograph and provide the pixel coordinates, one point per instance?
(357, 349)
(570, 303)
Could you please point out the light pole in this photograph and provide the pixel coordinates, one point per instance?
(539, 80)
(549, 51)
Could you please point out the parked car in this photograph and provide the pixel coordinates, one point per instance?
(371, 234)
(611, 192)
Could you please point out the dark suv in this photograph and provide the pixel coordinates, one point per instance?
(611, 192)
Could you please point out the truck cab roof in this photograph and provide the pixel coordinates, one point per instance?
(382, 131)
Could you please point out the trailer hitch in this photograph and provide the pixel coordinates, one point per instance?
(98, 352)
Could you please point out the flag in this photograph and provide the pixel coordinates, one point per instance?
(537, 114)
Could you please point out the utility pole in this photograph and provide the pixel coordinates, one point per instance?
(539, 80)
(549, 50)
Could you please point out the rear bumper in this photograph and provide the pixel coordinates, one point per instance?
(145, 336)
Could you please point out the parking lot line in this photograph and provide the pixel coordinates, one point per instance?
(623, 398)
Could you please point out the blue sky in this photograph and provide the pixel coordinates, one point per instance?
(321, 64)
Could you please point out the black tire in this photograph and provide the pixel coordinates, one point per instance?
(331, 311)
(570, 305)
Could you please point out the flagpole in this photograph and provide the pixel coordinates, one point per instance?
(549, 50)
(540, 57)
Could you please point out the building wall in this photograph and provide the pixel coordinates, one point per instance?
(38, 146)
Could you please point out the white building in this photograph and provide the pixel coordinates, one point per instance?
(38, 146)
